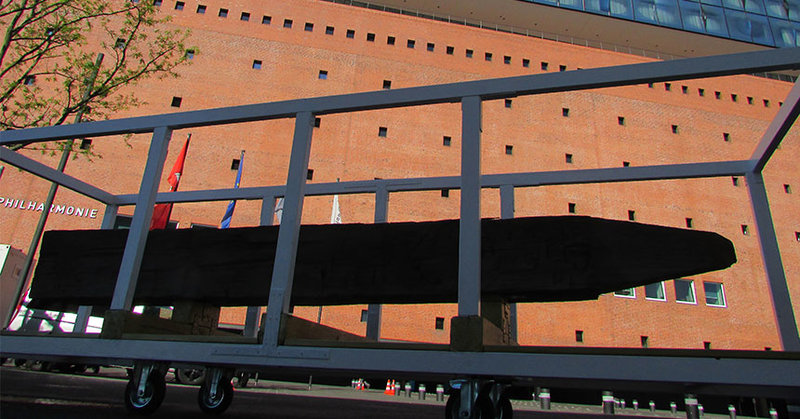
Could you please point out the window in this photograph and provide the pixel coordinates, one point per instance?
(645, 341)
(176, 102)
(309, 27)
(266, 20)
(411, 43)
(287, 23)
(323, 75)
(509, 149)
(245, 17)
(179, 5)
(235, 164)
(717, 95)
(726, 136)
(797, 235)
(257, 64)
(223, 13)
(317, 122)
(626, 293)
(568, 158)
(526, 62)
(735, 181)
(201, 9)
(329, 30)
(734, 97)
(390, 40)
(631, 215)
(579, 336)
(668, 86)
(626, 164)
(439, 323)
(655, 292)
(620, 120)
(351, 34)
(685, 89)
(487, 56)
(370, 37)
(544, 65)
(745, 230)
(468, 53)
(689, 222)
(445, 193)
(701, 92)
(119, 44)
(674, 129)
(189, 54)
(506, 60)
(766, 103)
(715, 295)
(446, 140)
(387, 84)
(310, 174)
(364, 316)
(650, 85)
(787, 188)
(565, 112)
(562, 68)
(450, 50)
(508, 103)
(86, 144)
(571, 207)
(431, 46)
(382, 131)
(156, 3)
(684, 291)
(29, 80)
(749, 100)
(707, 345)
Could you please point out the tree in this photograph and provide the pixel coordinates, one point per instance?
(49, 53)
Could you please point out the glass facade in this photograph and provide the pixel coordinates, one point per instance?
(765, 22)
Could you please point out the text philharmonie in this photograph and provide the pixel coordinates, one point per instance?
(54, 209)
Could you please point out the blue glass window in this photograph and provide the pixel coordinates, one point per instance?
(692, 16)
(747, 27)
(598, 6)
(733, 4)
(712, 2)
(550, 2)
(759, 29)
(754, 6)
(786, 34)
(776, 8)
(715, 20)
(572, 4)
(621, 8)
(661, 12)
(794, 9)
(703, 18)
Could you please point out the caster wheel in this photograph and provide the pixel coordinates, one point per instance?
(483, 408)
(219, 402)
(148, 403)
(191, 376)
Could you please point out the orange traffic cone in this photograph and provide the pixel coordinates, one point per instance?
(394, 388)
(359, 384)
(388, 390)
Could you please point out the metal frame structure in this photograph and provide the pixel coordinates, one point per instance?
(775, 373)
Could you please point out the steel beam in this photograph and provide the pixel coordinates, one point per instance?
(592, 78)
(280, 292)
(55, 176)
(140, 225)
(780, 125)
(381, 216)
(469, 240)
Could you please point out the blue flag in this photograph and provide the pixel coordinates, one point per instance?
(226, 219)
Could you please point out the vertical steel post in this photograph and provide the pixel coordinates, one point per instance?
(137, 235)
(507, 213)
(381, 216)
(770, 253)
(253, 312)
(84, 312)
(289, 233)
(469, 241)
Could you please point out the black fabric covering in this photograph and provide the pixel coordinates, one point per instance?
(524, 259)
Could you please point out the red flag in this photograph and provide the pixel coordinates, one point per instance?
(162, 212)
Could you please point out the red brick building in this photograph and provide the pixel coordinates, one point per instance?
(251, 51)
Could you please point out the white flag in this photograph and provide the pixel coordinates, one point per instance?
(279, 209)
(336, 215)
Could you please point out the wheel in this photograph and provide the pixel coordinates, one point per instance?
(504, 409)
(217, 404)
(154, 392)
(483, 408)
(191, 376)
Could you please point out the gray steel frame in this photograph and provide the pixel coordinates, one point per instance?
(726, 373)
